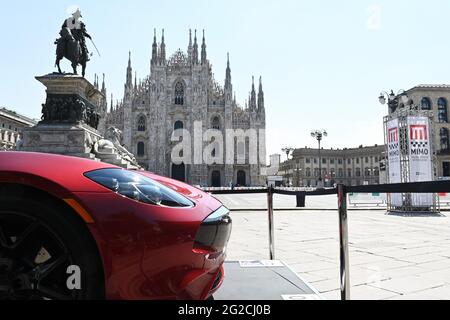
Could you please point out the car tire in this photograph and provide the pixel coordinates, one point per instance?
(67, 264)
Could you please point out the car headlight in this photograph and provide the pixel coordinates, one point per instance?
(138, 187)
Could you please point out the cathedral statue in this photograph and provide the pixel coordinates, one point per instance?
(72, 44)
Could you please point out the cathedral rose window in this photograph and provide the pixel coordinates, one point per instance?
(141, 124)
(179, 94)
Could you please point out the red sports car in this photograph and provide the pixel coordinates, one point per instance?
(72, 228)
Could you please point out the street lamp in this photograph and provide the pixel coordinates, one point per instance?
(392, 99)
(318, 135)
(288, 151)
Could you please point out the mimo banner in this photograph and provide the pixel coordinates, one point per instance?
(420, 161)
(394, 159)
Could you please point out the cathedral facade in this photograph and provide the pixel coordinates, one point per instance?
(181, 95)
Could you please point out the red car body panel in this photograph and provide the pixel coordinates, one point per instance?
(147, 250)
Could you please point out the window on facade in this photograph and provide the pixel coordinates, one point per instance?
(331, 161)
(425, 103)
(349, 161)
(308, 160)
(324, 161)
(367, 159)
(444, 139)
(357, 160)
(179, 94)
(341, 173)
(316, 172)
(178, 125)
(376, 159)
(141, 124)
(442, 110)
(333, 173)
(215, 123)
(367, 172)
(315, 160)
(140, 149)
(339, 161)
(376, 171)
(308, 172)
(358, 172)
(349, 173)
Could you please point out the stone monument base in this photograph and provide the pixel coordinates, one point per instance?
(67, 139)
(70, 118)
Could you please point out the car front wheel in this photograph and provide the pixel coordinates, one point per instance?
(46, 253)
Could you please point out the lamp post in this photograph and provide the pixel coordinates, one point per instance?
(288, 151)
(318, 135)
(392, 99)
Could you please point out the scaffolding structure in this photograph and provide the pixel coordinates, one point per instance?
(402, 115)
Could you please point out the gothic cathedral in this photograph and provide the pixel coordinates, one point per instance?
(179, 92)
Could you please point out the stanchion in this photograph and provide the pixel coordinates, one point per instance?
(343, 238)
(270, 192)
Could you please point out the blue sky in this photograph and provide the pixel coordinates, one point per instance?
(323, 63)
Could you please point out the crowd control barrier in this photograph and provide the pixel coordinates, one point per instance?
(342, 192)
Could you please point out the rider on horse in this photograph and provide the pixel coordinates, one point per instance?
(72, 44)
(77, 29)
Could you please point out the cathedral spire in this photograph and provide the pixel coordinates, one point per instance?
(103, 84)
(135, 80)
(253, 95)
(260, 96)
(204, 48)
(112, 103)
(154, 49)
(129, 83)
(228, 75)
(163, 49)
(195, 51)
(190, 49)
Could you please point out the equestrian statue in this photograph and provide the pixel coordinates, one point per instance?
(72, 44)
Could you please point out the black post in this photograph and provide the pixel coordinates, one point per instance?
(301, 197)
(320, 164)
(270, 192)
(343, 240)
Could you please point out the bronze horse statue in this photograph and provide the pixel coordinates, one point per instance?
(71, 49)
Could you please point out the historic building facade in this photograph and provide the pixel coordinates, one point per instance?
(435, 98)
(180, 93)
(353, 166)
(11, 125)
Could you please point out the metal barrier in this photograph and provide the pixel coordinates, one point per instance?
(342, 192)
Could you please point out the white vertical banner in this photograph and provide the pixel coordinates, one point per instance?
(393, 136)
(420, 162)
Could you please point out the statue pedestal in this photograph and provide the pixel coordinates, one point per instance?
(70, 117)
(72, 140)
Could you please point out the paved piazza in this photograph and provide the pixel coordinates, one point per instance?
(391, 257)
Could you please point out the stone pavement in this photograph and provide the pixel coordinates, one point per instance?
(391, 257)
